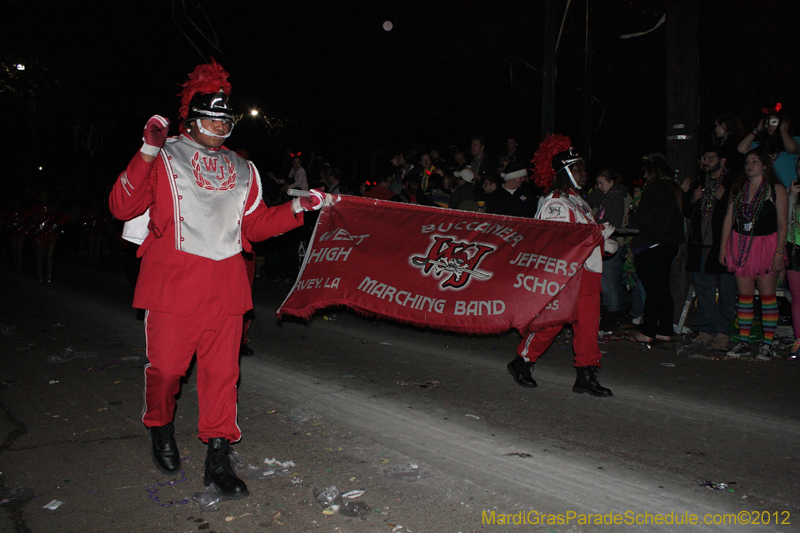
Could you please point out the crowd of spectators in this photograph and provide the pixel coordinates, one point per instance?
(743, 176)
(737, 221)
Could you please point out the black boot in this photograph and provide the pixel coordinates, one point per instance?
(521, 371)
(245, 350)
(220, 472)
(165, 449)
(587, 382)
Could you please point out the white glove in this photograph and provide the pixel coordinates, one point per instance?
(610, 246)
(313, 202)
(608, 229)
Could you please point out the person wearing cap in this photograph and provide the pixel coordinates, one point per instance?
(516, 196)
(552, 170)
(705, 205)
(204, 206)
(463, 196)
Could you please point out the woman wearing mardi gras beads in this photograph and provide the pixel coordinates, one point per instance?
(754, 237)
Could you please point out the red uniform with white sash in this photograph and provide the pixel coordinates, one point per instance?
(569, 207)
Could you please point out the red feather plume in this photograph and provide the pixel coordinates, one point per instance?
(542, 172)
(207, 78)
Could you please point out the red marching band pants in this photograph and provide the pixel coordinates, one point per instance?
(172, 340)
(250, 262)
(585, 327)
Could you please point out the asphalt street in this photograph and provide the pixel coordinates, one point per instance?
(428, 424)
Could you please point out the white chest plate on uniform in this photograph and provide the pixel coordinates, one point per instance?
(209, 192)
(562, 207)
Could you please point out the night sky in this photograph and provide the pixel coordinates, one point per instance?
(341, 85)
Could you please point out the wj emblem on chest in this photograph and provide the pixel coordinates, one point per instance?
(455, 262)
(202, 166)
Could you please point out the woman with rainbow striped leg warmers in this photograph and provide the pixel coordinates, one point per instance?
(754, 237)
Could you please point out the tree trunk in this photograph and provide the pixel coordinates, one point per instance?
(681, 125)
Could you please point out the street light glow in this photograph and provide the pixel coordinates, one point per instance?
(254, 112)
(20, 66)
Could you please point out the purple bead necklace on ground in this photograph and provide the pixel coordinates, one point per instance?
(152, 490)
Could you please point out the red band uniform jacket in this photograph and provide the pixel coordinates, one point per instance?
(215, 197)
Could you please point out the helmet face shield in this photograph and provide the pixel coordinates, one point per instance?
(566, 159)
(214, 106)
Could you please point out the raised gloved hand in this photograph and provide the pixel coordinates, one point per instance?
(610, 246)
(155, 135)
(312, 202)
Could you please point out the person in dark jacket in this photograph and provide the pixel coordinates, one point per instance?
(613, 205)
(659, 219)
(463, 196)
(704, 204)
(412, 190)
(515, 197)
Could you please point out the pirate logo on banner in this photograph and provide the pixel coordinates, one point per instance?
(458, 261)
